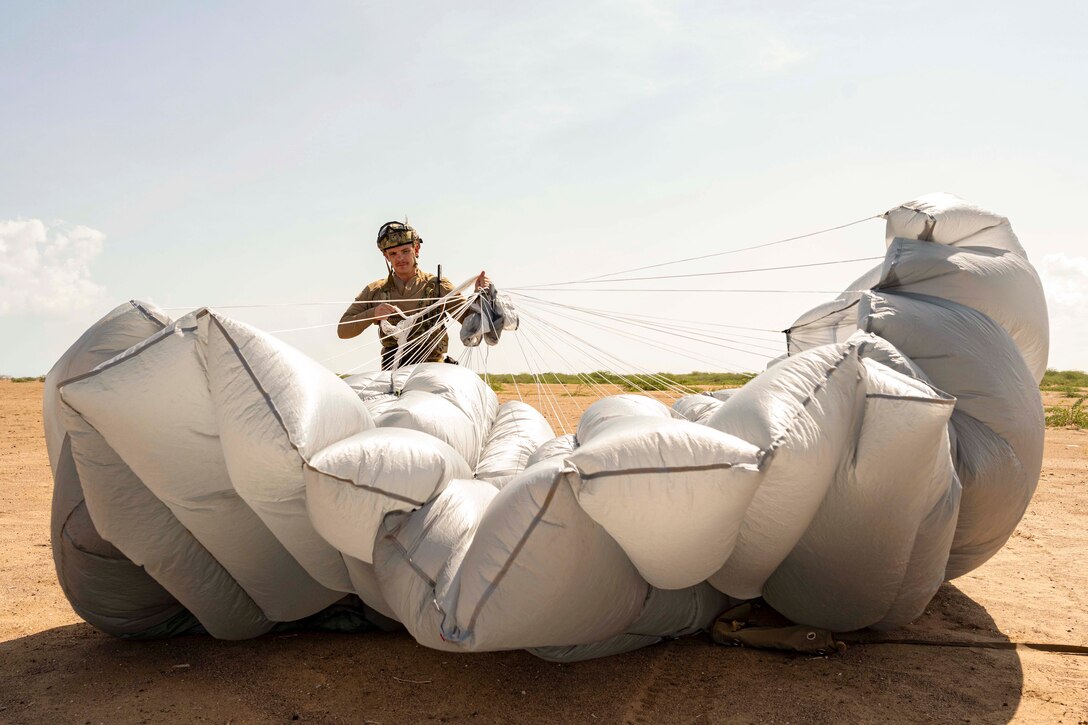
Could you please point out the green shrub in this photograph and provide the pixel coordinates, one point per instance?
(1064, 379)
(1061, 417)
(642, 384)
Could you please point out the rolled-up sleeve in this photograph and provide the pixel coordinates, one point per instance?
(358, 316)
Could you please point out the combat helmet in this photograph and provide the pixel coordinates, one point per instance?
(396, 234)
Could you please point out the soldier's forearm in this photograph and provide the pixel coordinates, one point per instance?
(351, 324)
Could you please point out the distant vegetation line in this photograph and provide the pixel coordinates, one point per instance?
(634, 381)
(1071, 384)
(1061, 379)
(1056, 380)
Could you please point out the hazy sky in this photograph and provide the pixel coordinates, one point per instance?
(222, 154)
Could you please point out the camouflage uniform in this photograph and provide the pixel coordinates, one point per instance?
(416, 293)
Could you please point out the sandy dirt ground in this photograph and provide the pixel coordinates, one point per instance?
(55, 668)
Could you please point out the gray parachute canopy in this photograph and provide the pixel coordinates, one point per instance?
(210, 476)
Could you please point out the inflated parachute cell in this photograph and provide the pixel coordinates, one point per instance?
(211, 478)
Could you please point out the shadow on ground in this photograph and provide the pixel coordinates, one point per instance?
(76, 674)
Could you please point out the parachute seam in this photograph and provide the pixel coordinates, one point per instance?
(256, 382)
(279, 419)
(493, 585)
(147, 314)
(65, 534)
(664, 469)
(914, 398)
(66, 443)
(822, 317)
(422, 535)
(928, 227)
(94, 554)
(899, 285)
(872, 301)
(243, 593)
(408, 559)
(117, 361)
(944, 303)
(394, 496)
(952, 252)
(767, 453)
(892, 264)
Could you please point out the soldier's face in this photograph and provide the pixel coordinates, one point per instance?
(403, 259)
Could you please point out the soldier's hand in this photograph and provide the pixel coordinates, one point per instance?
(384, 310)
(482, 281)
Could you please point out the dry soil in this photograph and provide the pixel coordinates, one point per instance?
(55, 668)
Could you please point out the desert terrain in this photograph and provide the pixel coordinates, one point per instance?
(977, 664)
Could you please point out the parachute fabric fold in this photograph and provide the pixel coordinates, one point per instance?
(943, 246)
(999, 411)
(519, 430)
(999, 284)
(666, 613)
(153, 406)
(449, 403)
(834, 321)
(947, 219)
(275, 408)
(162, 545)
(670, 492)
(697, 408)
(607, 410)
(419, 555)
(103, 586)
(848, 569)
(354, 483)
(539, 571)
(222, 477)
(959, 301)
(801, 414)
(558, 446)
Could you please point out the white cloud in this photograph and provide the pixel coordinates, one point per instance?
(45, 267)
(1065, 280)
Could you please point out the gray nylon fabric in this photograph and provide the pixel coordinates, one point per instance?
(210, 477)
(487, 317)
(103, 586)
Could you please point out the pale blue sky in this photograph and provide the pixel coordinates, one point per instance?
(232, 153)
